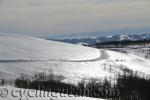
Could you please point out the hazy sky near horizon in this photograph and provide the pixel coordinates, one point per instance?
(49, 17)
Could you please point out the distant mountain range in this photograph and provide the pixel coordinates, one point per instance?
(101, 39)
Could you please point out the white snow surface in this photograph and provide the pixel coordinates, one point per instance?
(23, 54)
(14, 47)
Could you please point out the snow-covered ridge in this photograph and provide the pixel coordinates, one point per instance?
(101, 39)
(18, 47)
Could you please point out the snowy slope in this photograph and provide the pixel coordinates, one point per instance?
(22, 54)
(14, 47)
(133, 62)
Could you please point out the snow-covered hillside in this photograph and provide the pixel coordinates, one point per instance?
(15, 47)
(23, 54)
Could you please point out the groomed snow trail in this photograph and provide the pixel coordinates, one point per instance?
(102, 56)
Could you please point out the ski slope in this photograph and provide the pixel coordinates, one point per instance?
(24, 54)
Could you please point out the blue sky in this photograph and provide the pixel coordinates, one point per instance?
(49, 18)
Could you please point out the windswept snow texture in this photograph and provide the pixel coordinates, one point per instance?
(22, 54)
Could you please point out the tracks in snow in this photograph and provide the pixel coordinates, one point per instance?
(102, 55)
